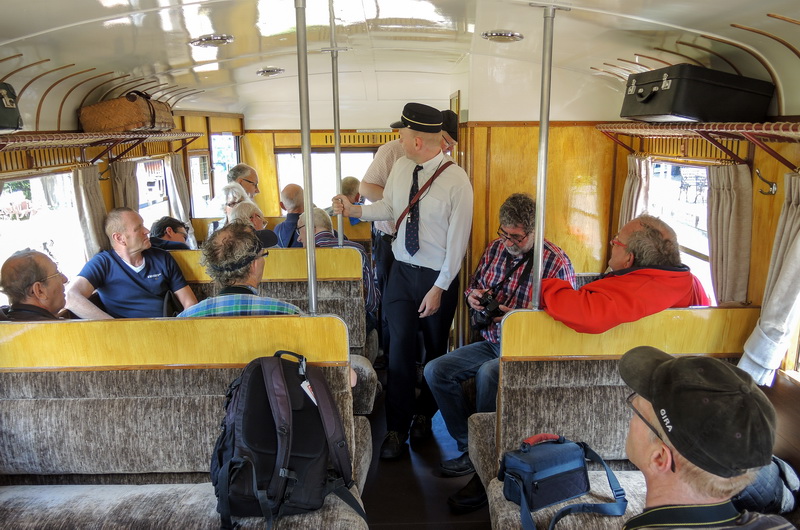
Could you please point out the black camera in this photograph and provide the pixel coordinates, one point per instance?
(491, 309)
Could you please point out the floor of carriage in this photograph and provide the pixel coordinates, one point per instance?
(410, 493)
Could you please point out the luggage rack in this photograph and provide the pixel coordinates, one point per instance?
(756, 133)
(22, 142)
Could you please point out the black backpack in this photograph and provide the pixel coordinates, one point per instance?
(282, 448)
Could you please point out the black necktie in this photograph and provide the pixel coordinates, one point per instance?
(412, 225)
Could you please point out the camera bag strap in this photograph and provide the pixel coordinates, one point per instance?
(527, 260)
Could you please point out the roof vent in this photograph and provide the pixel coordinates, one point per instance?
(212, 40)
(502, 35)
(269, 71)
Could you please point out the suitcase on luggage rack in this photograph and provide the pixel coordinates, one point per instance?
(135, 111)
(689, 93)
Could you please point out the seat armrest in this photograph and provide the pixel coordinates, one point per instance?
(482, 445)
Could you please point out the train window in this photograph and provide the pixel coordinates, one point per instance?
(323, 171)
(153, 202)
(678, 194)
(40, 213)
(225, 154)
(200, 183)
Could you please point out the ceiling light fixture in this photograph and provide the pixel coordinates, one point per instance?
(212, 40)
(269, 71)
(502, 35)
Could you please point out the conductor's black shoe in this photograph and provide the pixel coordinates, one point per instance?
(457, 467)
(469, 498)
(420, 429)
(393, 447)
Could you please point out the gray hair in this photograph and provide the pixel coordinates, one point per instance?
(239, 171)
(18, 274)
(233, 192)
(655, 244)
(243, 211)
(519, 210)
(228, 253)
(292, 196)
(321, 219)
(350, 186)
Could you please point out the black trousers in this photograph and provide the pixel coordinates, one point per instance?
(383, 258)
(408, 285)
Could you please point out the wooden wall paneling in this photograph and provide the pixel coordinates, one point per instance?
(766, 212)
(258, 150)
(197, 124)
(226, 124)
(478, 154)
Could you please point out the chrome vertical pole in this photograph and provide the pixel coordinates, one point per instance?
(337, 144)
(305, 138)
(544, 139)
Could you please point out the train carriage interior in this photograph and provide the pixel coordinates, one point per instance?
(600, 110)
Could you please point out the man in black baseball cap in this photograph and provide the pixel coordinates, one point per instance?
(700, 431)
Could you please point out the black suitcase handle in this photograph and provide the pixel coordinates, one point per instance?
(642, 97)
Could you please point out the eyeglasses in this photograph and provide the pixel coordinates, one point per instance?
(616, 242)
(513, 237)
(251, 182)
(184, 235)
(57, 273)
(299, 229)
(232, 204)
(629, 401)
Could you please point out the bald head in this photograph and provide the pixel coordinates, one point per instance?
(292, 198)
(30, 277)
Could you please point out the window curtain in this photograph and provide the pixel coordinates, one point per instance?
(178, 193)
(730, 223)
(635, 192)
(91, 208)
(126, 187)
(764, 350)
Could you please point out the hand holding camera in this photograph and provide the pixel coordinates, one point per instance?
(485, 308)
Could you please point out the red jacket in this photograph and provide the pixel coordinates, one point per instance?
(619, 297)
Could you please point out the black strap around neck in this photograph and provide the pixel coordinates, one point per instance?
(528, 260)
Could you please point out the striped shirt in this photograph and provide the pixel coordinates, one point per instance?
(238, 304)
(516, 292)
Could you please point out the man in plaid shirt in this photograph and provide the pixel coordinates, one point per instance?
(234, 258)
(505, 270)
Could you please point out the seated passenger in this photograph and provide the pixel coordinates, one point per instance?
(292, 202)
(132, 279)
(34, 286)
(350, 187)
(169, 233)
(324, 237)
(505, 268)
(646, 277)
(249, 213)
(246, 176)
(700, 431)
(234, 258)
(232, 194)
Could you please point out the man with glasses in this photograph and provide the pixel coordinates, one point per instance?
(700, 431)
(234, 258)
(169, 233)
(646, 277)
(34, 286)
(246, 176)
(504, 274)
(132, 279)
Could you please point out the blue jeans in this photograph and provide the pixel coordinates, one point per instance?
(445, 375)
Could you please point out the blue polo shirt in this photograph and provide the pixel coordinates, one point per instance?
(126, 293)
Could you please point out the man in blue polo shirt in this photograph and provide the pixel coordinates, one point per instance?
(132, 278)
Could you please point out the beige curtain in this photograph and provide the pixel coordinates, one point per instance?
(767, 345)
(126, 187)
(178, 193)
(91, 209)
(635, 192)
(730, 223)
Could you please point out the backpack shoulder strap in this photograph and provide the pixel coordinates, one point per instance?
(281, 406)
(616, 508)
(337, 444)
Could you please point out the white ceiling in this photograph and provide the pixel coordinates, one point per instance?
(396, 51)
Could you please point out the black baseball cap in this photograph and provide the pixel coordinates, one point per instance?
(267, 237)
(450, 123)
(713, 413)
(419, 117)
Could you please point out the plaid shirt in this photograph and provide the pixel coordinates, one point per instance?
(240, 305)
(494, 265)
(372, 297)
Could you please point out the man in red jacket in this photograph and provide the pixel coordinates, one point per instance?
(646, 277)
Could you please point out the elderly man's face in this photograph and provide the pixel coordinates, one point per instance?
(621, 258)
(258, 221)
(53, 285)
(250, 183)
(515, 239)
